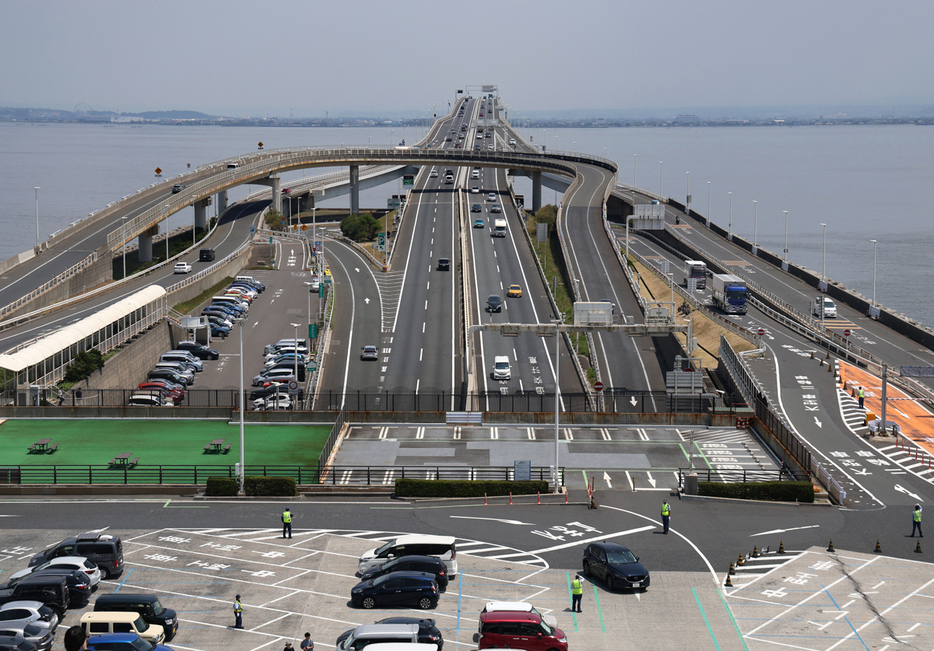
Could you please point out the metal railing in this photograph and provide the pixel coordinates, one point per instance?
(46, 286)
(741, 476)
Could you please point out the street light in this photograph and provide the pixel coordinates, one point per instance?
(557, 393)
(296, 327)
(785, 252)
(687, 195)
(873, 272)
(37, 216)
(635, 161)
(242, 398)
(755, 231)
(731, 217)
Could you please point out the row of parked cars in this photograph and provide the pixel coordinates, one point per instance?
(233, 305)
(284, 364)
(175, 371)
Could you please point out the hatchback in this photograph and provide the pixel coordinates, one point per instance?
(39, 636)
(199, 350)
(20, 613)
(67, 563)
(428, 564)
(370, 352)
(397, 589)
(15, 643)
(615, 565)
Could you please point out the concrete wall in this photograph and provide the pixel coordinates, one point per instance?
(128, 367)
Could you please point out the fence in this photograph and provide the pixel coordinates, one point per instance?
(79, 397)
(742, 476)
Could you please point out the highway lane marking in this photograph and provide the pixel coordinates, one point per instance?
(420, 433)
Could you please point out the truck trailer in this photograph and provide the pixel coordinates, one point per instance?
(729, 293)
(697, 270)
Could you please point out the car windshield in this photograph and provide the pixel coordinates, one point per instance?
(141, 626)
(619, 558)
(546, 629)
(379, 550)
(31, 630)
(157, 608)
(142, 645)
(382, 579)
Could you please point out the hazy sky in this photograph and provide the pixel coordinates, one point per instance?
(245, 57)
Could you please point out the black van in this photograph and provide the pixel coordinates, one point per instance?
(50, 589)
(147, 605)
(206, 255)
(102, 549)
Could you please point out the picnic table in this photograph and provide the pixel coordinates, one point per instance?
(42, 446)
(217, 445)
(123, 460)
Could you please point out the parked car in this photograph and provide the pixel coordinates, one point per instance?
(16, 643)
(123, 642)
(285, 357)
(103, 549)
(518, 607)
(182, 267)
(250, 280)
(277, 374)
(274, 402)
(52, 591)
(219, 331)
(397, 589)
(379, 636)
(615, 565)
(146, 605)
(40, 637)
(79, 584)
(180, 369)
(198, 350)
(519, 630)
(166, 374)
(150, 399)
(428, 632)
(175, 395)
(429, 564)
(270, 389)
(300, 344)
(183, 356)
(20, 613)
(104, 622)
(65, 562)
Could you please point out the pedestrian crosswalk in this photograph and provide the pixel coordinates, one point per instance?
(754, 568)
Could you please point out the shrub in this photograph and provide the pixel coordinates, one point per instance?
(451, 488)
(770, 491)
(270, 486)
(221, 486)
(275, 220)
(83, 365)
(360, 228)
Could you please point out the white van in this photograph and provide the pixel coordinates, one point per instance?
(501, 368)
(441, 547)
(300, 344)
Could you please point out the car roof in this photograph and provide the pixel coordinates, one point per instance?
(509, 616)
(112, 637)
(22, 603)
(610, 546)
(410, 574)
(418, 557)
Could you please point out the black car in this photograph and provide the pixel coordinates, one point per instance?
(198, 350)
(79, 586)
(428, 633)
(494, 303)
(178, 187)
(397, 589)
(51, 590)
(444, 264)
(615, 565)
(103, 549)
(428, 564)
(206, 255)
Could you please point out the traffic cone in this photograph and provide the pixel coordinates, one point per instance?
(510, 499)
(739, 563)
(781, 547)
(755, 551)
(484, 499)
(878, 548)
(565, 497)
(830, 546)
(918, 548)
(732, 571)
(539, 497)
(728, 584)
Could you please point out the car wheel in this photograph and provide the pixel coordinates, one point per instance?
(105, 573)
(610, 584)
(424, 603)
(369, 602)
(587, 571)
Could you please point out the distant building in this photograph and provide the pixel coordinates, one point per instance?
(687, 118)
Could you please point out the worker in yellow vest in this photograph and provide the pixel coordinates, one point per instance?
(916, 522)
(861, 396)
(287, 523)
(238, 613)
(577, 593)
(666, 514)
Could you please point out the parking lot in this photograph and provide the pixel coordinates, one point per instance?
(303, 584)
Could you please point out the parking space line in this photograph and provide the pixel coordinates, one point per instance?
(596, 598)
(706, 621)
(571, 598)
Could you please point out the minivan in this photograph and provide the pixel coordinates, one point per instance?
(104, 622)
(501, 369)
(146, 605)
(516, 630)
(103, 549)
(442, 547)
(367, 634)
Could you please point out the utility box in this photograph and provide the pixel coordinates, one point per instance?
(600, 313)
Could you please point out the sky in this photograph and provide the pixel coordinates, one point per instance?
(309, 58)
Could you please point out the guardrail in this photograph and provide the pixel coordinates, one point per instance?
(741, 476)
(46, 286)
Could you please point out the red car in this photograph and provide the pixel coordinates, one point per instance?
(163, 387)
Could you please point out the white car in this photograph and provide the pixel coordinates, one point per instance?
(273, 402)
(433, 174)
(474, 190)
(66, 562)
(182, 267)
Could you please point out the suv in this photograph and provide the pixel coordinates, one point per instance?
(79, 583)
(615, 565)
(52, 591)
(123, 642)
(102, 549)
(198, 350)
(444, 264)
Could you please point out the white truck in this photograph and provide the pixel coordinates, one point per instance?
(499, 228)
(697, 270)
(829, 307)
(729, 293)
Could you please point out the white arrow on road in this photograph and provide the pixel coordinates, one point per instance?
(633, 401)
(817, 422)
(367, 301)
(774, 531)
(518, 522)
(357, 269)
(907, 492)
(651, 480)
(606, 478)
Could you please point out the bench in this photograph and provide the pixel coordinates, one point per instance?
(207, 448)
(32, 448)
(227, 448)
(133, 462)
(53, 448)
(114, 461)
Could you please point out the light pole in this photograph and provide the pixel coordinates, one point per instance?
(242, 397)
(123, 235)
(823, 267)
(731, 217)
(708, 204)
(785, 252)
(755, 229)
(873, 272)
(557, 394)
(37, 215)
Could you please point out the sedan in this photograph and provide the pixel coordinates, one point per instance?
(65, 563)
(178, 187)
(397, 589)
(19, 613)
(370, 352)
(433, 174)
(497, 208)
(476, 208)
(479, 223)
(182, 267)
(615, 565)
(475, 190)
(514, 291)
(274, 402)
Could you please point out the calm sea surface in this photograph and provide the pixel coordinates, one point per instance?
(863, 182)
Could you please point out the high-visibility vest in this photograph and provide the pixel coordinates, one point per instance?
(287, 517)
(916, 516)
(666, 509)
(860, 394)
(237, 607)
(577, 587)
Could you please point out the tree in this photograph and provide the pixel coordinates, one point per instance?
(275, 220)
(360, 228)
(546, 215)
(83, 365)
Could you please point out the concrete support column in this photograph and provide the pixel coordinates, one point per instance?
(145, 244)
(221, 202)
(536, 191)
(200, 219)
(354, 189)
(276, 193)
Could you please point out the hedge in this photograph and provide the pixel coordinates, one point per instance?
(221, 486)
(270, 486)
(453, 488)
(771, 491)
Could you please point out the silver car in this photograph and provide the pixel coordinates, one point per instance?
(65, 562)
(11, 638)
(20, 613)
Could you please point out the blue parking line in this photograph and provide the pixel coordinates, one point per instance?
(120, 585)
(706, 621)
(460, 596)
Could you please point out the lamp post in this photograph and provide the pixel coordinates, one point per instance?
(242, 397)
(708, 204)
(123, 235)
(873, 272)
(37, 215)
(755, 229)
(785, 252)
(823, 267)
(557, 394)
(731, 217)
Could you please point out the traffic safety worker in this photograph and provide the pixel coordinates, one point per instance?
(666, 514)
(861, 396)
(916, 522)
(238, 613)
(577, 592)
(287, 523)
